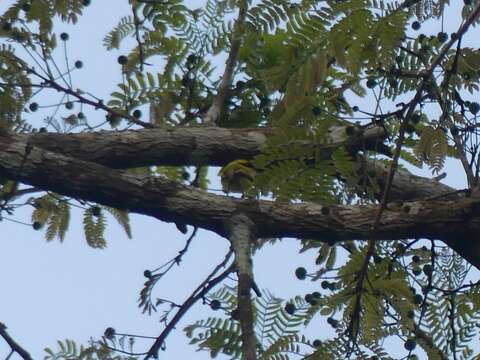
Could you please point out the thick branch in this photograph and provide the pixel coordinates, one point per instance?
(456, 222)
(241, 234)
(216, 147)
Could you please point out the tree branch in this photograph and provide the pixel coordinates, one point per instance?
(13, 344)
(241, 234)
(455, 222)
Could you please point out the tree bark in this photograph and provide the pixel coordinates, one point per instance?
(456, 222)
(217, 147)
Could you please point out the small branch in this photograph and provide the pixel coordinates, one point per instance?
(241, 233)
(13, 344)
(97, 104)
(200, 292)
(217, 106)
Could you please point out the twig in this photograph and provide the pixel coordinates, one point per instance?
(215, 110)
(13, 344)
(198, 294)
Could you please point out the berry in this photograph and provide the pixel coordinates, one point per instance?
(418, 299)
(86, 2)
(290, 308)
(308, 298)
(316, 110)
(33, 106)
(301, 273)
(64, 36)
(240, 84)
(325, 284)
(416, 271)
(467, 2)
(147, 274)
(37, 225)
(355, 108)
(81, 115)
(122, 60)
(332, 322)
(416, 25)
(215, 305)
(137, 114)
(316, 295)
(416, 258)
(317, 343)
(442, 36)
(410, 344)
(7, 26)
(427, 269)
(42, 130)
(69, 105)
(109, 333)
(78, 64)
(474, 107)
(371, 83)
(96, 210)
(191, 58)
(410, 314)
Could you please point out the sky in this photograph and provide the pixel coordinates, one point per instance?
(52, 291)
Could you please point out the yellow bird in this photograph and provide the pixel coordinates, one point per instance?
(237, 176)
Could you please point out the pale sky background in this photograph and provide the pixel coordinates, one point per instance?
(52, 291)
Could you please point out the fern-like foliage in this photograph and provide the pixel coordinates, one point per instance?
(70, 350)
(54, 212)
(94, 227)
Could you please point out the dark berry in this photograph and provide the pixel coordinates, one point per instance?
(467, 2)
(78, 64)
(355, 108)
(33, 106)
(122, 60)
(474, 107)
(191, 58)
(290, 308)
(42, 130)
(147, 274)
(371, 83)
(418, 299)
(308, 298)
(410, 344)
(317, 343)
(96, 210)
(137, 114)
(416, 258)
(316, 110)
(109, 333)
(427, 269)
(442, 36)
(64, 36)
(37, 225)
(316, 295)
(215, 305)
(301, 273)
(81, 115)
(416, 25)
(69, 105)
(332, 322)
(240, 84)
(7, 26)
(416, 271)
(324, 284)
(86, 2)
(410, 314)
